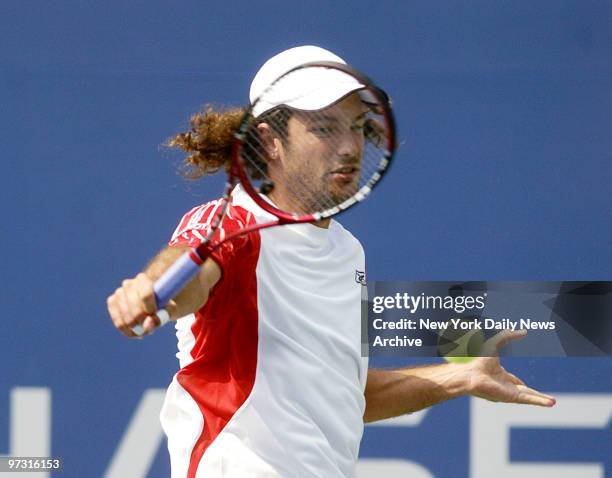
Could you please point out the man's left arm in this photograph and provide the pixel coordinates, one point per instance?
(390, 393)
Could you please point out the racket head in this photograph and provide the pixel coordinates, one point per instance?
(303, 157)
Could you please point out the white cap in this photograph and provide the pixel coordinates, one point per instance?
(306, 89)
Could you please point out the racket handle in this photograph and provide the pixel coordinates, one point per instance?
(168, 286)
(176, 277)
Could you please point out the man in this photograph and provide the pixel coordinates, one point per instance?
(272, 382)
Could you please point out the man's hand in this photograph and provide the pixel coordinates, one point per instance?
(489, 380)
(134, 304)
(390, 393)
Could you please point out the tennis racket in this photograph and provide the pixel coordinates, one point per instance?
(314, 143)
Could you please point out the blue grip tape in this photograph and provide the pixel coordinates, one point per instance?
(175, 279)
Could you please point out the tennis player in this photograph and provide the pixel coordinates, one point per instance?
(271, 380)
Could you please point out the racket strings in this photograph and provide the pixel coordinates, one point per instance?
(298, 189)
(306, 196)
(314, 140)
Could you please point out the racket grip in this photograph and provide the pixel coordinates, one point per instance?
(168, 286)
(176, 277)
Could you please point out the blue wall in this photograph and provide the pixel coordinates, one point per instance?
(504, 173)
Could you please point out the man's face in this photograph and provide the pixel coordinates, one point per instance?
(319, 166)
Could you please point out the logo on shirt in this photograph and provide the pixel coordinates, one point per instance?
(360, 277)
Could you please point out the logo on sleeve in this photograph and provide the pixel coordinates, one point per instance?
(360, 277)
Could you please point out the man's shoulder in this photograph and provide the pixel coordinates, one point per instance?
(202, 217)
(344, 235)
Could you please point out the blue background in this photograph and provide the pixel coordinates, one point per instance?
(504, 173)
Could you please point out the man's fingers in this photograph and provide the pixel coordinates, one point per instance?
(492, 346)
(171, 309)
(137, 313)
(515, 379)
(113, 311)
(119, 311)
(134, 304)
(144, 286)
(529, 396)
(144, 303)
(123, 303)
(150, 323)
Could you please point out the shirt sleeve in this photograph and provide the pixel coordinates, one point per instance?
(196, 224)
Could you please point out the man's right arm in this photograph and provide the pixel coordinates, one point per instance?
(134, 302)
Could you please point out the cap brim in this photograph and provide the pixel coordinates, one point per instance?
(310, 89)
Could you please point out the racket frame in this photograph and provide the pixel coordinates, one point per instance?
(362, 193)
(197, 255)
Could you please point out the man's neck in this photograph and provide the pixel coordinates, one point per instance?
(323, 223)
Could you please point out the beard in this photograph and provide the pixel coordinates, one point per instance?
(309, 199)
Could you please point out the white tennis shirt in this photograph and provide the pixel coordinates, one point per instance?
(271, 380)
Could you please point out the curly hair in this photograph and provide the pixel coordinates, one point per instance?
(209, 139)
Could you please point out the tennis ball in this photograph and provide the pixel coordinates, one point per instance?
(450, 359)
(460, 346)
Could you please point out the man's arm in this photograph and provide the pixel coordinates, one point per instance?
(134, 302)
(390, 393)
